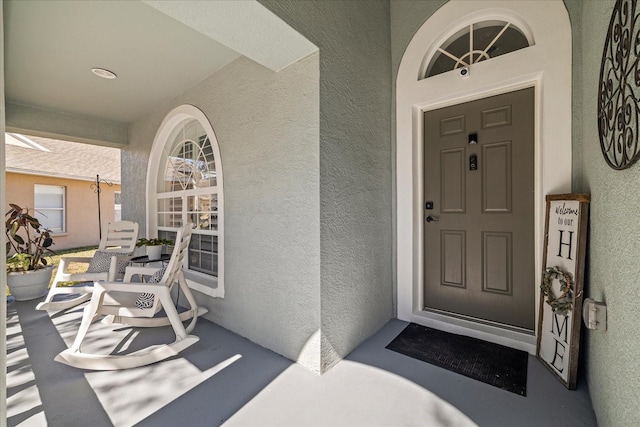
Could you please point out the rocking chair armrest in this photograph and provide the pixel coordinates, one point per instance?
(86, 259)
(65, 261)
(139, 271)
(69, 259)
(116, 261)
(134, 287)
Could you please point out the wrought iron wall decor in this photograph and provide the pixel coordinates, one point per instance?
(618, 92)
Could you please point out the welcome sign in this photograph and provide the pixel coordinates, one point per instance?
(561, 289)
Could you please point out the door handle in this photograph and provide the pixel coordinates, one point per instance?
(432, 219)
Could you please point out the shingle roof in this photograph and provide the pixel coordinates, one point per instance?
(64, 159)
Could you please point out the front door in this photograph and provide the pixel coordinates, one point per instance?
(479, 209)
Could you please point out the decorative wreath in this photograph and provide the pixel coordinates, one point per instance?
(563, 303)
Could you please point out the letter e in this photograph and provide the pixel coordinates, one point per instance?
(561, 356)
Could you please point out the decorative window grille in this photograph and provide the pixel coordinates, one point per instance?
(188, 191)
(478, 42)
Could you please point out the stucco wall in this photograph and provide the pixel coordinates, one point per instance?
(406, 17)
(3, 278)
(574, 7)
(613, 270)
(355, 165)
(81, 206)
(266, 124)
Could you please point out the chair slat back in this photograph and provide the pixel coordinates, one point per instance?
(120, 236)
(180, 252)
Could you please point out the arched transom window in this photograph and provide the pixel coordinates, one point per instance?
(188, 189)
(477, 42)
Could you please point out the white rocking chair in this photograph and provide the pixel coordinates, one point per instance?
(117, 244)
(136, 304)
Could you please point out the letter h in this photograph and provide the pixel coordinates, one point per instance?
(565, 244)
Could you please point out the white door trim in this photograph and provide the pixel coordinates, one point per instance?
(546, 66)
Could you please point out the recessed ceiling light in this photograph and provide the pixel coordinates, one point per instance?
(105, 74)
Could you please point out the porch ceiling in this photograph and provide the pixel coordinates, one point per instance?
(157, 54)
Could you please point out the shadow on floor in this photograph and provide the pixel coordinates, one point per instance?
(226, 379)
(207, 384)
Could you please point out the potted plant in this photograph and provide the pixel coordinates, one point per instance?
(28, 272)
(154, 246)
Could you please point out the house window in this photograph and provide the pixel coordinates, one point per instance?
(187, 187)
(49, 206)
(117, 206)
(477, 42)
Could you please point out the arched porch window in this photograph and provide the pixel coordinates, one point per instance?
(185, 180)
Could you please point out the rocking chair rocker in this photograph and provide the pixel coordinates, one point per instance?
(117, 244)
(136, 304)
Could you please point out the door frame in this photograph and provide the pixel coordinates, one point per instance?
(545, 66)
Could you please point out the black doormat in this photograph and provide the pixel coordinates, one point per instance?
(490, 363)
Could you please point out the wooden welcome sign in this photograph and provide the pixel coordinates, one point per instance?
(561, 289)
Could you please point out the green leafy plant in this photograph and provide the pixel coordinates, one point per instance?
(153, 242)
(27, 239)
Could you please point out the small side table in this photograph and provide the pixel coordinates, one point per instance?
(144, 259)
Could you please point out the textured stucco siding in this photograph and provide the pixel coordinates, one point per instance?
(266, 124)
(406, 17)
(355, 164)
(613, 270)
(3, 255)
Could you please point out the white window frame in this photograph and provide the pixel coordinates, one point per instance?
(42, 211)
(117, 207)
(204, 283)
(481, 55)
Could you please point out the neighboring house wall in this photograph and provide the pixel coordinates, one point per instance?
(266, 125)
(355, 165)
(613, 268)
(81, 206)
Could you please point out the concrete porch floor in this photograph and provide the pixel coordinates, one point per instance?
(226, 380)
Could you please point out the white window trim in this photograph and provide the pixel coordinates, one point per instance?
(173, 119)
(117, 206)
(546, 66)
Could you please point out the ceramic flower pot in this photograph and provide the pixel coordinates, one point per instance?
(29, 285)
(154, 252)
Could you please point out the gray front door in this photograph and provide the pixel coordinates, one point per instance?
(479, 210)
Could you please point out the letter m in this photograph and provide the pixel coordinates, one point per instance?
(559, 329)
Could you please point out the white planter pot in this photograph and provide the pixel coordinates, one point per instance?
(29, 285)
(154, 252)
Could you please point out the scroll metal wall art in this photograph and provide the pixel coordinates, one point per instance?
(618, 92)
